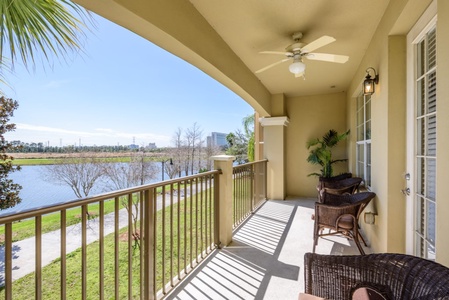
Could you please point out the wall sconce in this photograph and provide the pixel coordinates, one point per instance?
(370, 218)
(369, 83)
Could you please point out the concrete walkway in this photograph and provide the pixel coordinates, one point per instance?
(24, 251)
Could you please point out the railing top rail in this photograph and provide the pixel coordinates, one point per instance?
(15, 216)
(251, 163)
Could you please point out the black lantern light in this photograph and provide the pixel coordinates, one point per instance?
(369, 83)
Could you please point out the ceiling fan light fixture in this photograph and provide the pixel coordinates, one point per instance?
(297, 67)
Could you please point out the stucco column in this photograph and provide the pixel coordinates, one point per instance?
(225, 186)
(274, 151)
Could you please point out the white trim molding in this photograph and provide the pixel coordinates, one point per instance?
(223, 157)
(274, 121)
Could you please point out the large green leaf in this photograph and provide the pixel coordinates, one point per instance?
(46, 26)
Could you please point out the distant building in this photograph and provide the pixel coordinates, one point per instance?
(217, 139)
(152, 146)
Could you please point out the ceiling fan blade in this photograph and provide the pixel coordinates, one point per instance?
(318, 43)
(276, 52)
(272, 65)
(328, 57)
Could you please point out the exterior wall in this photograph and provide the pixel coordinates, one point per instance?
(311, 117)
(442, 228)
(388, 154)
(387, 54)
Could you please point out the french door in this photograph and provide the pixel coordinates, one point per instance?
(421, 136)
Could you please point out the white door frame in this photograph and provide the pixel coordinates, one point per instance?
(426, 21)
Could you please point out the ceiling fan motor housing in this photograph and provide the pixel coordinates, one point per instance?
(295, 47)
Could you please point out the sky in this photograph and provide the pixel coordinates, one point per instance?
(122, 90)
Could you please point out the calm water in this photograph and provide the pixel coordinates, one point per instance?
(36, 192)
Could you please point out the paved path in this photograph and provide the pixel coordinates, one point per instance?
(23, 251)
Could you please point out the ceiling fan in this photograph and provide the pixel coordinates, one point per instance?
(298, 50)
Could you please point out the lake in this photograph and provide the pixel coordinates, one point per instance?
(37, 192)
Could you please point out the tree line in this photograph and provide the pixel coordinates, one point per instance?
(22, 147)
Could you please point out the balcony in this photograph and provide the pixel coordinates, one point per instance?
(265, 259)
(172, 246)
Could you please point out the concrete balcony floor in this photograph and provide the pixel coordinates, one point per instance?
(265, 259)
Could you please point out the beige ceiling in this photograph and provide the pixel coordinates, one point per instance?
(251, 26)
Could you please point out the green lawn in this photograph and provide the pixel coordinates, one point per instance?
(52, 161)
(188, 215)
(26, 228)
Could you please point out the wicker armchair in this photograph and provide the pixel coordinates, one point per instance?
(339, 187)
(393, 276)
(336, 178)
(340, 214)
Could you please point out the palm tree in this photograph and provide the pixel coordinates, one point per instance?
(26, 27)
(321, 154)
(48, 26)
(248, 126)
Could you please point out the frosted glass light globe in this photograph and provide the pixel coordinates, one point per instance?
(297, 67)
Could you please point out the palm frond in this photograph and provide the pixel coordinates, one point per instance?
(312, 143)
(44, 25)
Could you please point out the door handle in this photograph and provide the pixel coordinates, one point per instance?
(406, 191)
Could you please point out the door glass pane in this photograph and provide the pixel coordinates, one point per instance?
(432, 135)
(431, 222)
(432, 93)
(420, 93)
(432, 49)
(420, 176)
(430, 178)
(419, 246)
(421, 58)
(420, 135)
(419, 222)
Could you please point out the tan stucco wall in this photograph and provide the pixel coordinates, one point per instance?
(387, 53)
(442, 228)
(311, 117)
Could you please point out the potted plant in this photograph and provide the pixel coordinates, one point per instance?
(321, 152)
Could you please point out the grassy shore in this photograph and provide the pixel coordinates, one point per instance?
(53, 161)
(34, 159)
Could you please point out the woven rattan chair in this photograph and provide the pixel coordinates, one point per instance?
(341, 184)
(340, 215)
(339, 187)
(394, 276)
(336, 178)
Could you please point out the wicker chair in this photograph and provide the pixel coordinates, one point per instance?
(339, 187)
(340, 214)
(393, 276)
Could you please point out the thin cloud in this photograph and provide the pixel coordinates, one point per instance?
(99, 132)
(54, 84)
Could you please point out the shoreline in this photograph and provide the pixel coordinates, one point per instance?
(28, 159)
